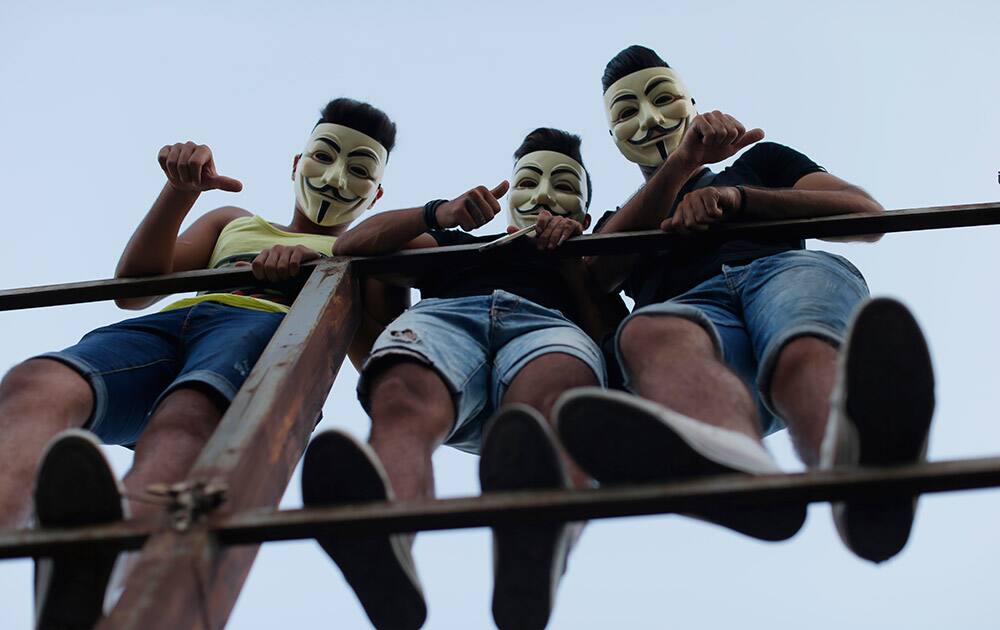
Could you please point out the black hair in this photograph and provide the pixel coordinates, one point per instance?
(549, 139)
(632, 59)
(361, 117)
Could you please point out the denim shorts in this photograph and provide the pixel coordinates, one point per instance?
(751, 312)
(477, 345)
(134, 364)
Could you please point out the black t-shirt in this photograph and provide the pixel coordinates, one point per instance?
(532, 276)
(659, 277)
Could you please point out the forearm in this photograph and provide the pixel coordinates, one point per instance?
(382, 234)
(150, 251)
(775, 204)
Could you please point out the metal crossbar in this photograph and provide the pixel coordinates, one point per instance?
(513, 508)
(264, 431)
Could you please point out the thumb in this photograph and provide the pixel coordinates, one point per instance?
(501, 189)
(225, 183)
(511, 229)
(754, 135)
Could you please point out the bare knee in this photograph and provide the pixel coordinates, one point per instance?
(667, 336)
(46, 390)
(186, 415)
(411, 397)
(541, 382)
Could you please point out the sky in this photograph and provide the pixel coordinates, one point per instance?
(897, 97)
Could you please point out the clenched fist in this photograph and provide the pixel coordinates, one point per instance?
(472, 209)
(703, 207)
(190, 167)
(281, 262)
(714, 137)
(552, 230)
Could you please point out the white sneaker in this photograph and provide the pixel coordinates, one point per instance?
(339, 470)
(519, 453)
(619, 438)
(74, 487)
(880, 415)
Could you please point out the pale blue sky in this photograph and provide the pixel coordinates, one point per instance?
(898, 97)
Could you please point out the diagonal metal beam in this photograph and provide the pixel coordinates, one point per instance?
(252, 527)
(186, 580)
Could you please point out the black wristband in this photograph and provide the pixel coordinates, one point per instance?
(430, 213)
(743, 201)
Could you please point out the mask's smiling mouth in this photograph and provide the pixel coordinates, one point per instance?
(656, 133)
(330, 192)
(538, 207)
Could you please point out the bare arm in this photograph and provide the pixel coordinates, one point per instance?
(392, 231)
(712, 137)
(155, 247)
(817, 194)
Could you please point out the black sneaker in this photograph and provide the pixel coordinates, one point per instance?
(74, 487)
(519, 453)
(618, 438)
(339, 470)
(880, 415)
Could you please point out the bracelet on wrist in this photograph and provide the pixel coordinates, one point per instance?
(430, 213)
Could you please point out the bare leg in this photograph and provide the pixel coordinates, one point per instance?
(178, 430)
(803, 380)
(38, 399)
(412, 411)
(672, 361)
(539, 383)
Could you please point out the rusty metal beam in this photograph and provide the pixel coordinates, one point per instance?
(252, 527)
(407, 267)
(186, 580)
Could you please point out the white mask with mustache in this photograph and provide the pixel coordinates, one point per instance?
(547, 180)
(648, 113)
(338, 175)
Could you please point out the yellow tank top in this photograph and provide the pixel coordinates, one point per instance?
(241, 240)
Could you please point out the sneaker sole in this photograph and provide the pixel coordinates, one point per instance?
(74, 487)
(890, 401)
(519, 454)
(618, 443)
(335, 472)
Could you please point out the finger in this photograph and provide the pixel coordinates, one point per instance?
(500, 189)
(184, 162)
(490, 200)
(716, 132)
(512, 228)
(548, 238)
(271, 264)
(282, 263)
(161, 157)
(170, 163)
(740, 129)
(295, 261)
(258, 265)
(200, 158)
(754, 135)
(566, 232)
(464, 219)
(242, 263)
(732, 130)
(542, 221)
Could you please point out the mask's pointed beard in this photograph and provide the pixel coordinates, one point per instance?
(323, 207)
(661, 147)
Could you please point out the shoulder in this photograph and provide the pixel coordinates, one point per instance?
(225, 214)
(775, 165)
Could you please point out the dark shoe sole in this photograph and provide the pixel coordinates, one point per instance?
(335, 471)
(74, 487)
(619, 443)
(890, 401)
(519, 453)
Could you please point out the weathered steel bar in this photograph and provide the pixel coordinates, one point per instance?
(186, 580)
(407, 267)
(252, 527)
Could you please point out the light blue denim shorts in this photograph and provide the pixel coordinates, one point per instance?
(478, 344)
(751, 312)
